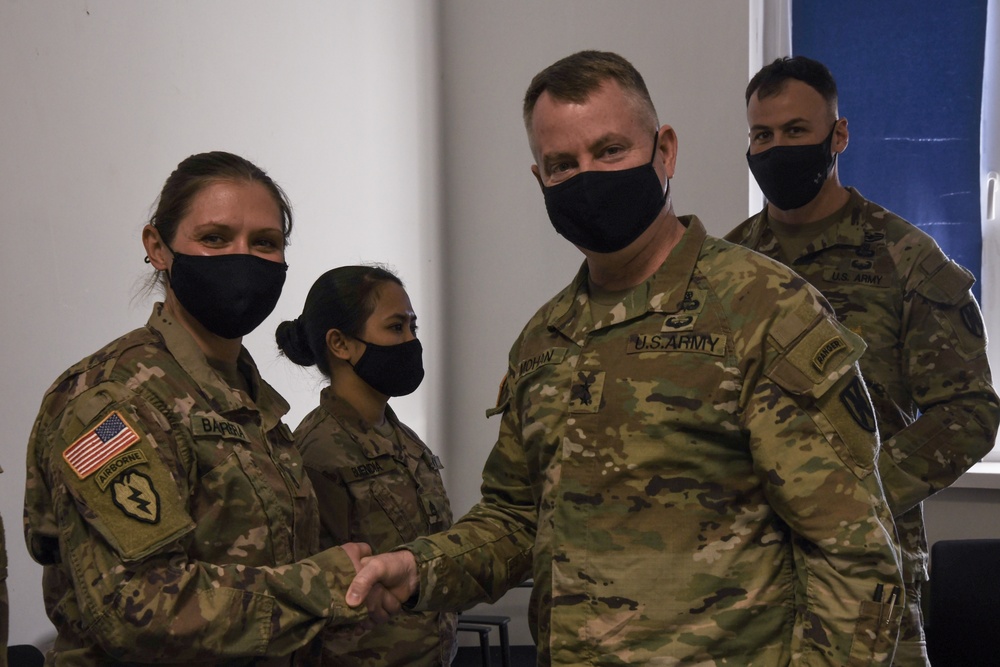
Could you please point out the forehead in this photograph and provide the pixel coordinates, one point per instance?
(391, 299)
(796, 99)
(558, 125)
(234, 202)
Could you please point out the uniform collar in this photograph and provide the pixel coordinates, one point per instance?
(848, 231)
(663, 292)
(357, 427)
(183, 348)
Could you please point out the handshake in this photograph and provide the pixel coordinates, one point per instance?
(383, 583)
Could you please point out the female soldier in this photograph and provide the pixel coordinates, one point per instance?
(375, 480)
(164, 498)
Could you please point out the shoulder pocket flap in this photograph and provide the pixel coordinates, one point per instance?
(817, 359)
(946, 283)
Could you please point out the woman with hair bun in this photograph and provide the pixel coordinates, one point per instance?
(376, 481)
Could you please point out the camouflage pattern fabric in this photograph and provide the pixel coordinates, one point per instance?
(172, 515)
(382, 492)
(4, 604)
(891, 284)
(691, 481)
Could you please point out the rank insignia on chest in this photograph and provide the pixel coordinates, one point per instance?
(99, 445)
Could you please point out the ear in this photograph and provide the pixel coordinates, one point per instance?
(338, 344)
(667, 148)
(840, 136)
(538, 176)
(159, 255)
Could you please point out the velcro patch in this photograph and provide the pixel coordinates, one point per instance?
(99, 445)
(827, 351)
(372, 468)
(118, 465)
(690, 341)
(135, 495)
(681, 322)
(855, 400)
(554, 355)
(211, 425)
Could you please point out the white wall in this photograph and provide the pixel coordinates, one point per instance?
(102, 98)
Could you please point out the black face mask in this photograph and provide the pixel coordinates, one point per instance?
(791, 176)
(393, 370)
(230, 295)
(605, 211)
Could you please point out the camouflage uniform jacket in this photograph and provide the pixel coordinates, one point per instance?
(693, 478)
(926, 368)
(172, 515)
(372, 490)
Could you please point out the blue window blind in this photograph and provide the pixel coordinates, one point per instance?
(910, 79)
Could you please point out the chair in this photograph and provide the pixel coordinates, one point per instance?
(24, 655)
(963, 607)
(483, 624)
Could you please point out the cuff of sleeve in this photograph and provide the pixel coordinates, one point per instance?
(338, 572)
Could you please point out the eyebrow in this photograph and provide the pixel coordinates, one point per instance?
(603, 140)
(793, 121)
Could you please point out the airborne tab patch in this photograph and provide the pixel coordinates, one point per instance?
(99, 445)
(118, 465)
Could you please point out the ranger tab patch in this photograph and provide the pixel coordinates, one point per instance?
(99, 445)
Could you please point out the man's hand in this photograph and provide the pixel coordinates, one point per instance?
(384, 583)
(357, 551)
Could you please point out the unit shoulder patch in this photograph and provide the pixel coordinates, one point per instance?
(135, 495)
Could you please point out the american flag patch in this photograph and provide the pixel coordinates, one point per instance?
(94, 448)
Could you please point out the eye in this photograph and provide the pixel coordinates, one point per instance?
(612, 151)
(212, 239)
(413, 328)
(760, 136)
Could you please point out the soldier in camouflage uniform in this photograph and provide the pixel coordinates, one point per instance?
(376, 481)
(164, 496)
(686, 457)
(926, 366)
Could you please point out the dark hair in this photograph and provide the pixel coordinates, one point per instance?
(770, 80)
(342, 298)
(197, 172)
(575, 77)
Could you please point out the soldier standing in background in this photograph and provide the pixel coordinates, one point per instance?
(686, 457)
(375, 480)
(926, 366)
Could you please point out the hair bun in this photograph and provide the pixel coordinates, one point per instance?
(291, 340)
